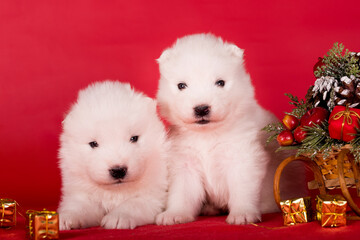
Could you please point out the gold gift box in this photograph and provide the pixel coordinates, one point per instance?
(7, 213)
(331, 210)
(297, 210)
(42, 224)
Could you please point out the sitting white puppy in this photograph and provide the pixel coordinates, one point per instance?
(112, 161)
(218, 156)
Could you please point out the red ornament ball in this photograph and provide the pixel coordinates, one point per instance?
(315, 115)
(299, 134)
(285, 138)
(290, 122)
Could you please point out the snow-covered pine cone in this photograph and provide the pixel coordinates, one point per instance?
(346, 94)
(328, 92)
(321, 93)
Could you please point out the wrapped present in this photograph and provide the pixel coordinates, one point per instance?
(297, 210)
(42, 224)
(7, 213)
(331, 210)
(343, 123)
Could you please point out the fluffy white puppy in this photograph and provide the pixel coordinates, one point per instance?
(112, 161)
(219, 159)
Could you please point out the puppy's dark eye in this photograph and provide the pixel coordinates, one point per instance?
(182, 86)
(134, 139)
(93, 144)
(220, 83)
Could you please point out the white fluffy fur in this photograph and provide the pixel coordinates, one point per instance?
(111, 113)
(223, 164)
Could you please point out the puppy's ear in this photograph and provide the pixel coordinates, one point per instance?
(164, 56)
(235, 50)
(66, 119)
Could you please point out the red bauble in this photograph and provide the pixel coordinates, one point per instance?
(314, 116)
(285, 138)
(299, 134)
(290, 122)
(343, 123)
(319, 63)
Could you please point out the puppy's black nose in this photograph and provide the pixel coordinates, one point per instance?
(118, 172)
(201, 110)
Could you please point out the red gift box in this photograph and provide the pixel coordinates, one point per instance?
(343, 123)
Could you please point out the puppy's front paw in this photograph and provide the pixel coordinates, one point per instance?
(111, 221)
(69, 221)
(170, 218)
(244, 218)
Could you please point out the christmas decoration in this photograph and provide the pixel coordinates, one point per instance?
(7, 213)
(315, 116)
(318, 64)
(339, 62)
(328, 145)
(296, 210)
(337, 80)
(290, 122)
(299, 134)
(331, 210)
(42, 224)
(285, 138)
(343, 123)
(337, 84)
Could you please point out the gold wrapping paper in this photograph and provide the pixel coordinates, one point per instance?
(331, 210)
(7, 213)
(297, 210)
(42, 224)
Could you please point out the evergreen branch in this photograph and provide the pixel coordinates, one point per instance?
(338, 62)
(274, 128)
(314, 143)
(271, 138)
(301, 107)
(286, 148)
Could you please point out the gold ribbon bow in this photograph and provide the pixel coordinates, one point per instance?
(347, 117)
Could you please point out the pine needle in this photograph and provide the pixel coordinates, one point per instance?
(301, 107)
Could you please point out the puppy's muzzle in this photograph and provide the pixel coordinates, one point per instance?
(201, 111)
(118, 172)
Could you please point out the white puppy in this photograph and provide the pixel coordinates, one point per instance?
(219, 159)
(112, 161)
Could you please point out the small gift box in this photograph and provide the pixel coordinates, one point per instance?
(7, 213)
(331, 210)
(42, 224)
(343, 123)
(297, 210)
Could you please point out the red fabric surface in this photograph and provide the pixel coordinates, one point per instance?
(51, 49)
(206, 228)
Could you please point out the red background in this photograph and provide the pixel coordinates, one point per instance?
(51, 49)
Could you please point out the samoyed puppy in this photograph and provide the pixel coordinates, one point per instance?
(112, 159)
(219, 160)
